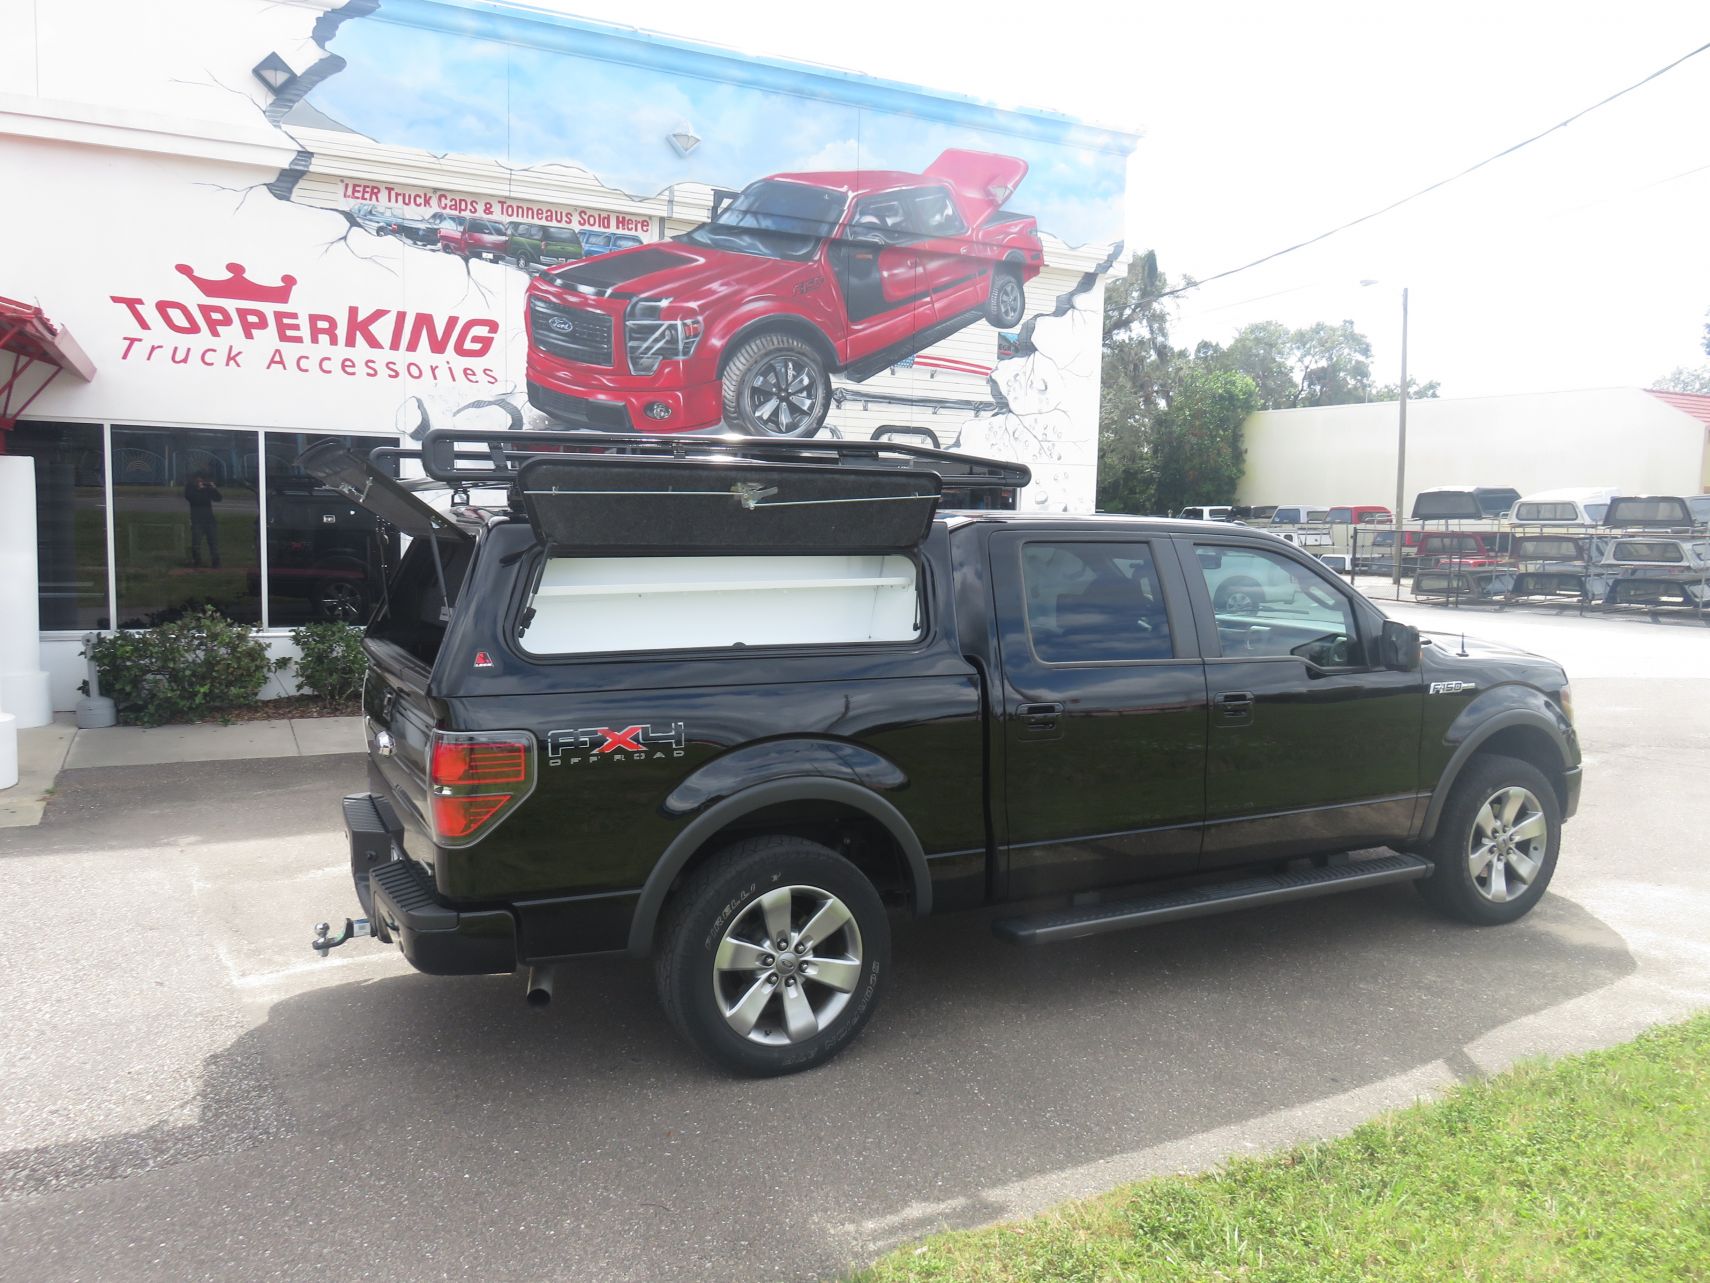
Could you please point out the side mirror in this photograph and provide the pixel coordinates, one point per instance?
(1399, 646)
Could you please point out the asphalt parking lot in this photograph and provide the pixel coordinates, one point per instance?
(188, 1093)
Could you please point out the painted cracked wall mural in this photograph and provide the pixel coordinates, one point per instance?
(843, 239)
(489, 217)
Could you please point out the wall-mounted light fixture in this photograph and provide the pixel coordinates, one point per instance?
(274, 72)
(684, 139)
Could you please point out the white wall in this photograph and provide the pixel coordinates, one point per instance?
(1619, 437)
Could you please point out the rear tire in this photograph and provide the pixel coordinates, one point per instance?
(742, 1001)
(1007, 302)
(1496, 843)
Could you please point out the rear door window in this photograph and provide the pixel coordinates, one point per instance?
(1094, 603)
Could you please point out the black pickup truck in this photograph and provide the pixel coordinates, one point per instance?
(730, 703)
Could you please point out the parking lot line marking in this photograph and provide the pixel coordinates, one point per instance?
(298, 968)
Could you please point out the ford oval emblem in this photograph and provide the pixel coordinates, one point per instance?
(561, 324)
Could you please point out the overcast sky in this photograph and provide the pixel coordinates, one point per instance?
(1582, 261)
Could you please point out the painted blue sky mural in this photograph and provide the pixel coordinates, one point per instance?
(445, 78)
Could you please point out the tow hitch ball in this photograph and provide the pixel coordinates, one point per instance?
(323, 942)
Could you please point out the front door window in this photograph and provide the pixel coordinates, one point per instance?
(1267, 604)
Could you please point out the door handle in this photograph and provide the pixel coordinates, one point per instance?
(1236, 706)
(1039, 717)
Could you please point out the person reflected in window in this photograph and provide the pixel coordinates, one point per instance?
(202, 494)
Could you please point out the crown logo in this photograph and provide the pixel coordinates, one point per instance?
(239, 287)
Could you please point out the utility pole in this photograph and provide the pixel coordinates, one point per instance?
(1401, 450)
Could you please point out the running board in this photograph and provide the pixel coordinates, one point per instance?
(1202, 901)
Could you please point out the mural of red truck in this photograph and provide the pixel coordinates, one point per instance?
(742, 321)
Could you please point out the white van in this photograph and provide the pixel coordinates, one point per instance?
(1581, 506)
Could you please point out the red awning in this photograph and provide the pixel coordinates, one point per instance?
(34, 344)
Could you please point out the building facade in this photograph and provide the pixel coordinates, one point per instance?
(1631, 440)
(273, 222)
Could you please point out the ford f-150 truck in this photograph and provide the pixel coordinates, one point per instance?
(730, 703)
(743, 320)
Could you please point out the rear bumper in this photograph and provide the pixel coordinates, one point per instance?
(400, 901)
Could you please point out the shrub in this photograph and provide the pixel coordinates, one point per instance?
(181, 671)
(331, 663)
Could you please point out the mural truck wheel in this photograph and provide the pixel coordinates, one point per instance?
(777, 386)
(1008, 300)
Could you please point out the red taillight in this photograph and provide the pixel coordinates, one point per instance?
(492, 762)
(460, 817)
(463, 767)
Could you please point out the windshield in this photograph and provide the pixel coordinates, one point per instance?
(774, 220)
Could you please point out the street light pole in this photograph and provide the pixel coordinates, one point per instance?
(1401, 451)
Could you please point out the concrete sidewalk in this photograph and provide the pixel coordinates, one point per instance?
(210, 742)
(44, 751)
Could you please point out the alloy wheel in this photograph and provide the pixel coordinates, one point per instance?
(1009, 300)
(342, 602)
(1506, 848)
(787, 965)
(783, 394)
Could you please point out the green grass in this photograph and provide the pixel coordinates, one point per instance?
(1589, 1168)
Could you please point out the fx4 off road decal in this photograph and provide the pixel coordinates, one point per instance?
(614, 744)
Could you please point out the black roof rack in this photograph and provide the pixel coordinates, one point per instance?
(472, 458)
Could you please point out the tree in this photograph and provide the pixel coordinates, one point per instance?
(1688, 378)
(1333, 363)
(1321, 364)
(1416, 391)
(1138, 365)
(1197, 453)
(1265, 353)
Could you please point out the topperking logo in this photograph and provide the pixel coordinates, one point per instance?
(590, 745)
(247, 325)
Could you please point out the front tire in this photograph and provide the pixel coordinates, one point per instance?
(1496, 843)
(776, 385)
(772, 956)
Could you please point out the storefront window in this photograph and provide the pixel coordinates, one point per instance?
(71, 521)
(185, 523)
(324, 553)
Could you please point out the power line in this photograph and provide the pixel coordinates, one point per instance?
(1442, 182)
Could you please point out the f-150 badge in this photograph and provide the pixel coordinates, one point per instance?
(1452, 688)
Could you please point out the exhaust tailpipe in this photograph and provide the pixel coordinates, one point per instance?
(539, 991)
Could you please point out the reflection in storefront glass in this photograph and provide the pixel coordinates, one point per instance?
(71, 521)
(323, 558)
(185, 523)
